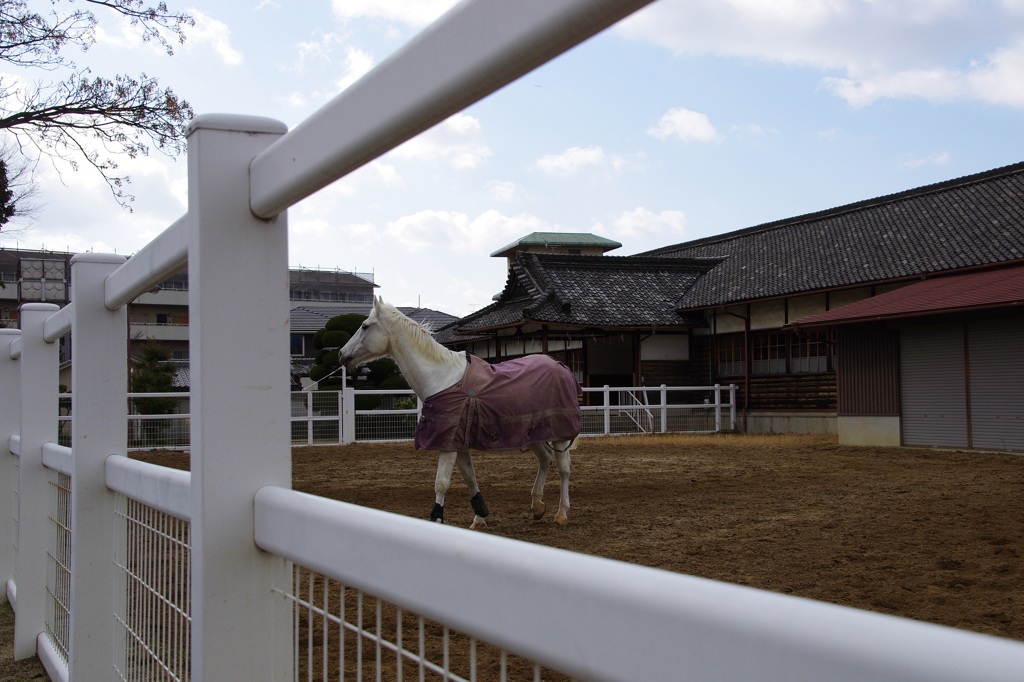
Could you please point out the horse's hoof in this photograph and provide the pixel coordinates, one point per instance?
(478, 523)
(561, 519)
(538, 511)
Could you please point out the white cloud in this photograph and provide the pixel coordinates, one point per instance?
(216, 34)
(504, 191)
(325, 209)
(82, 215)
(430, 229)
(320, 50)
(937, 50)
(376, 174)
(320, 238)
(642, 222)
(410, 12)
(999, 79)
(934, 85)
(458, 141)
(824, 34)
(685, 125)
(467, 295)
(938, 159)
(356, 64)
(296, 100)
(575, 159)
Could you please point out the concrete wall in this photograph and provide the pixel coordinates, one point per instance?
(790, 422)
(878, 431)
(883, 431)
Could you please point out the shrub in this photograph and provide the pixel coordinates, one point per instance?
(367, 402)
(334, 338)
(395, 382)
(347, 323)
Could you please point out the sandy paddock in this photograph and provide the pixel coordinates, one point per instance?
(931, 535)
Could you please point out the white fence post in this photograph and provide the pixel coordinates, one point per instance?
(240, 399)
(40, 378)
(348, 415)
(99, 380)
(607, 410)
(10, 417)
(663, 392)
(309, 417)
(718, 408)
(732, 406)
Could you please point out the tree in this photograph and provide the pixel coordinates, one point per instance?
(152, 373)
(6, 196)
(333, 336)
(82, 116)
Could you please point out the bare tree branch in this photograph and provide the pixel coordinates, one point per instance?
(81, 116)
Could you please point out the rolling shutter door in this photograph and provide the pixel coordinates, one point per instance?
(934, 400)
(997, 384)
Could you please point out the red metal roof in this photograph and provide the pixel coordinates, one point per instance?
(996, 288)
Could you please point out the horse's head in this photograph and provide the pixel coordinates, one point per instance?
(370, 341)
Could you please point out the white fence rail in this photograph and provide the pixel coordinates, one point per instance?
(127, 571)
(335, 417)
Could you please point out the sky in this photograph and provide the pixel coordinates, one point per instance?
(686, 120)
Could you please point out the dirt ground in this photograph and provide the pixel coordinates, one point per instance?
(931, 535)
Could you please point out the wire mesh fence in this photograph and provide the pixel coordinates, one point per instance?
(152, 613)
(147, 431)
(342, 633)
(58, 563)
(385, 425)
(15, 508)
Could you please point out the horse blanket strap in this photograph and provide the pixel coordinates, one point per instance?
(501, 406)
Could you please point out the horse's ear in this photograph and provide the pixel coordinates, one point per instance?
(377, 302)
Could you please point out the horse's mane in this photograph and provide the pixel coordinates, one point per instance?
(418, 336)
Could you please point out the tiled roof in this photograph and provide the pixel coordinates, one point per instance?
(589, 291)
(313, 318)
(182, 375)
(561, 239)
(431, 319)
(998, 287)
(967, 222)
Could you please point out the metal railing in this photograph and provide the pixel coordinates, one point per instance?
(319, 417)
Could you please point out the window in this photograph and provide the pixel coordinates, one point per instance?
(774, 353)
(731, 355)
(163, 318)
(298, 344)
(768, 352)
(810, 352)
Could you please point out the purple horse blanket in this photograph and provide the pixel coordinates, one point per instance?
(507, 405)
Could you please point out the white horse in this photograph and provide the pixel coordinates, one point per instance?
(441, 378)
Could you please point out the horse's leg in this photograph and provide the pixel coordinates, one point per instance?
(543, 453)
(562, 454)
(465, 462)
(445, 465)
